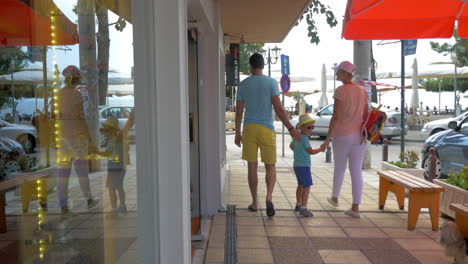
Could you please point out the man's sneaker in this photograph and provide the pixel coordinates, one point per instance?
(92, 203)
(352, 213)
(330, 200)
(297, 208)
(122, 210)
(306, 213)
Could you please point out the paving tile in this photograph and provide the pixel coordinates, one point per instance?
(214, 255)
(370, 232)
(251, 231)
(343, 256)
(389, 222)
(296, 255)
(325, 232)
(282, 221)
(376, 243)
(388, 256)
(432, 257)
(253, 242)
(285, 231)
(252, 221)
(315, 221)
(254, 256)
(402, 232)
(289, 242)
(419, 244)
(354, 222)
(341, 243)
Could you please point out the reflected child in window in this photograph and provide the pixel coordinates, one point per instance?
(302, 151)
(117, 154)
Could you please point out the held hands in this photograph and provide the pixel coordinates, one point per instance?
(323, 148)
(238, 139)
(295, 134)
(325, 144)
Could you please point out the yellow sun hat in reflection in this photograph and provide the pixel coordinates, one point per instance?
(111, 121)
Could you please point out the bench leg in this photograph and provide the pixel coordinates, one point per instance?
(462, 223)
(400, 195)
(418, 200)
(434, 210)
(384, 185)
(27, 190)
(3, 226)
(42, 193)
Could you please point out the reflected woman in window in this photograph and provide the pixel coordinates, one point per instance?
(72, 138)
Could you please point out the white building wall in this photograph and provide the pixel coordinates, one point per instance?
(211, 114)
(161, 100)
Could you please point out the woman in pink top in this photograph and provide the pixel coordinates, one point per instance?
(350, 112)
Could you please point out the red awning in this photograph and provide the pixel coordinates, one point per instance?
(404, 19)
(28, 23)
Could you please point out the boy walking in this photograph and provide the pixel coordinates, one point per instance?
(117, 155)
(302, 151)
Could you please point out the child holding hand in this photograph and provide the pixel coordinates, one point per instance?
(302, 151)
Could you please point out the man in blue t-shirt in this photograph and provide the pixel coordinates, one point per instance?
(259, 95)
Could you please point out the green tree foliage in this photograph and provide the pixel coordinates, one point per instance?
(317, 8)
(245, 51)
(8, 55)
(446, 85)
(457, 51)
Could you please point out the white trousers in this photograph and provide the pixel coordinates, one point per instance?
(348, 148)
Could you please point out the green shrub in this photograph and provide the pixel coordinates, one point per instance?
(459, 179)
(408, 159)
(398, 164)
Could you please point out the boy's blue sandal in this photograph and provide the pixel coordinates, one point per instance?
(251, 208)
(270, 208)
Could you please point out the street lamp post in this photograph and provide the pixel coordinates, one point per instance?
(271, 60)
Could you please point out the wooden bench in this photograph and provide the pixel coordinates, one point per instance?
(29, 184)
(422, 194)
(461, 217)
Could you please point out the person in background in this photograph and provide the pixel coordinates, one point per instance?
(346, 129)
(259, 95)
(302, 151)
(117, 153)
(73, 140)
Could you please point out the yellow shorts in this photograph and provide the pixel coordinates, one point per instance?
(255, 136)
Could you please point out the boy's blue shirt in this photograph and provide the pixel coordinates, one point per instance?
(301, 156)
(256, 92)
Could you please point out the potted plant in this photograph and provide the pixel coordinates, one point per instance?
(455, 190)
(410, 160)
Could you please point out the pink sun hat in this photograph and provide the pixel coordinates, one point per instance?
(345, 66)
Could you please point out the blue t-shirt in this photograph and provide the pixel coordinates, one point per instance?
(301, 156)
(256, 92)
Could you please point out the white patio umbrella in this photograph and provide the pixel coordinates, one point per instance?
(415, 96)
(323, 98)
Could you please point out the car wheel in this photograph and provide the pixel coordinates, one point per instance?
(27, 142)
(9, 168)
(426, 165)
(437, 130)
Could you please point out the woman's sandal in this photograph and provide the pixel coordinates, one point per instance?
(270, 208)
(251, 208)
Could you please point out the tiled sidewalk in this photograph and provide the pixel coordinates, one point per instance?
(328, 237)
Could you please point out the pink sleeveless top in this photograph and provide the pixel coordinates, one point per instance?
(354, 99)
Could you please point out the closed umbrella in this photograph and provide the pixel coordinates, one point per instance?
(415, 96)
(323, 98)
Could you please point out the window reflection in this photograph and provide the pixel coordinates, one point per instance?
(67, 168)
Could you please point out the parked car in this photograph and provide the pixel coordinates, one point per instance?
(451, 149)
(120, 112)
(11, 152)
(430, 128)
(392, 127)
(24, 134)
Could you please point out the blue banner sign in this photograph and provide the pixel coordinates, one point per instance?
(409, 46)
(285, 65)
